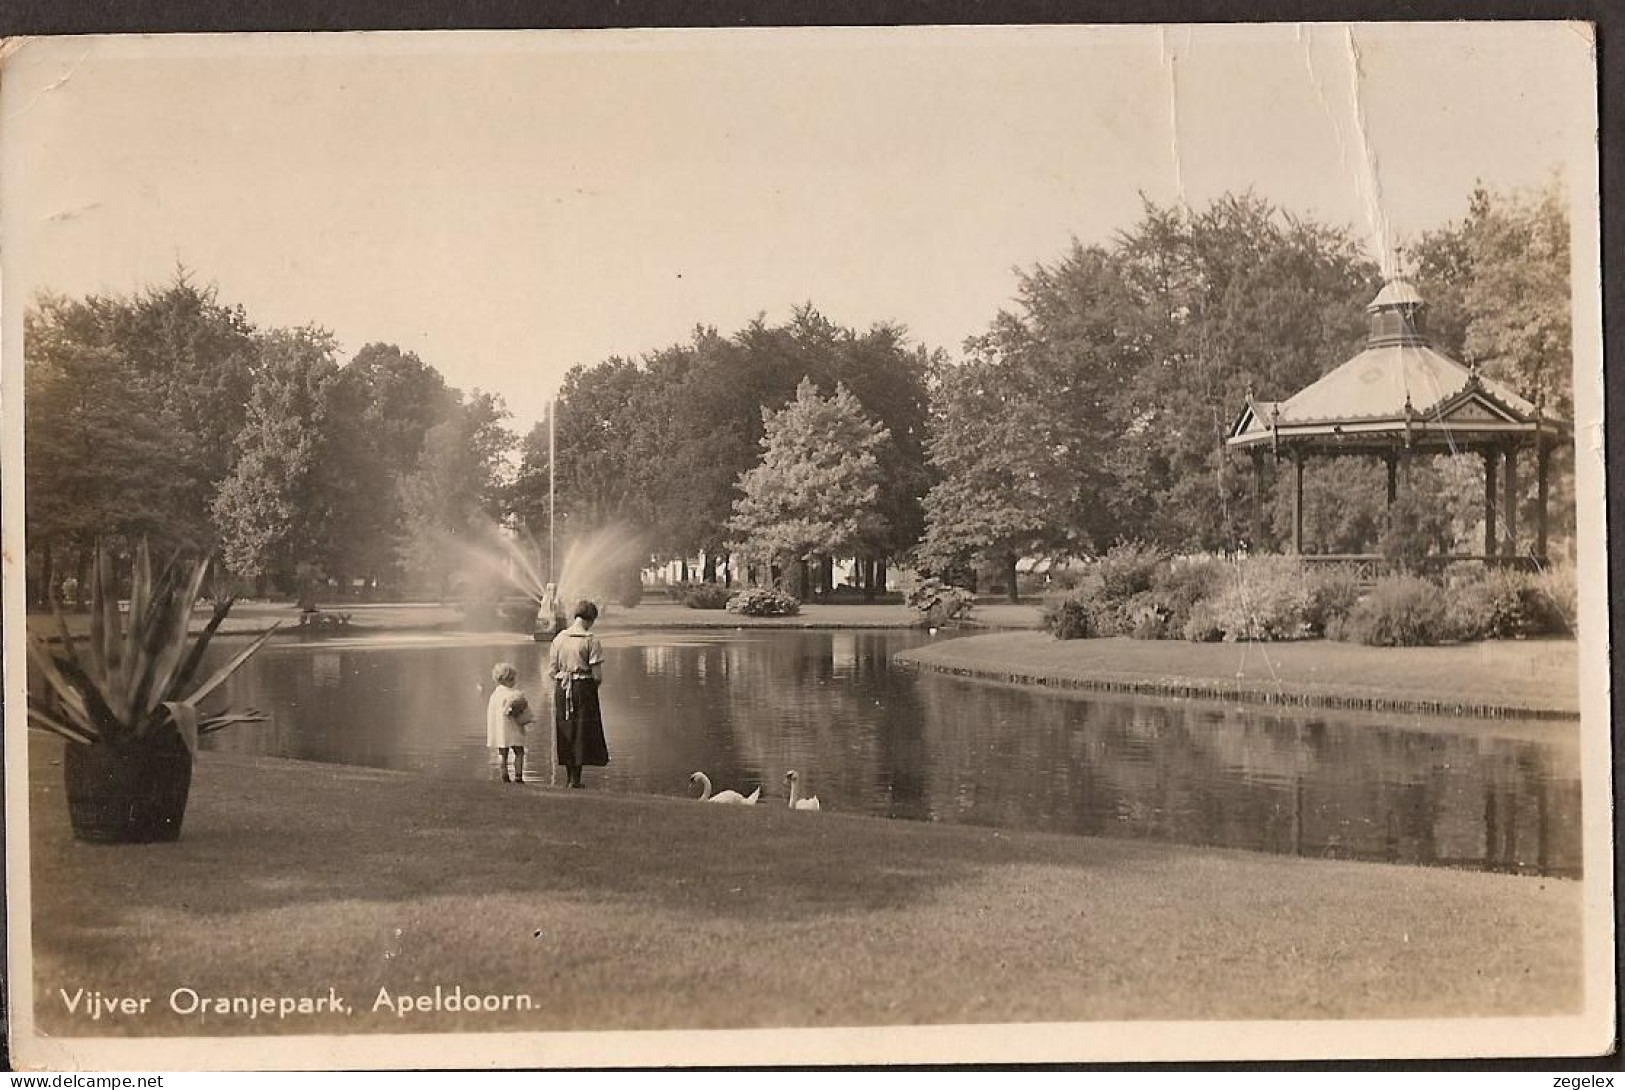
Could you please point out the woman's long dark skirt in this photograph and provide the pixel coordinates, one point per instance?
(578, 724)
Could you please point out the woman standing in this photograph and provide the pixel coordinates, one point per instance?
(576, 662)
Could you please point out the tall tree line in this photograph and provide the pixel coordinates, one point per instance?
(664, 444)
(1093, 408)
(168, 415)
(1096, 409)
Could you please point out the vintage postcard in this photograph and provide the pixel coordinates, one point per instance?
(804, 546)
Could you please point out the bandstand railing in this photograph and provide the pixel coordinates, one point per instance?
(1369, 567)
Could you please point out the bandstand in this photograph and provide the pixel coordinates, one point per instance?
(1397, 399)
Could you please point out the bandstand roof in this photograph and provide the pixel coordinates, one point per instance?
(1398, 389)
(1396, 293)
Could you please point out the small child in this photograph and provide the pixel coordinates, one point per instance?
(507, 715)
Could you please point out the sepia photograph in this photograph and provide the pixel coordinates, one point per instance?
(804, 546)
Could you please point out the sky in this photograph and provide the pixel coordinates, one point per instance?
(510, 205)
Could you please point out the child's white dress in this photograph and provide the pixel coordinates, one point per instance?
(502, 728)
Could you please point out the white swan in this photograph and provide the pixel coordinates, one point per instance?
(723, 796)
(796, 801)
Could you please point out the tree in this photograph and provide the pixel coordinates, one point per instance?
(97, 460)
(286, 501)
(717, 417)
(620, 454)
(1024, 436)
(132, 405)
(526, 504)
(1100, 407)
(1497, 284)
(196, 359)
(1001, 493)
(1498, 293)
(660, 443)
(1239, 297)
(395, 399)
(457, 490)
(815, 491)
(600, 412)
(891, 379)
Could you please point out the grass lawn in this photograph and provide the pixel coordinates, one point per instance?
(1534, 676)
(617, 912)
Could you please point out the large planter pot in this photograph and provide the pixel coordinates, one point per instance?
(128, 794)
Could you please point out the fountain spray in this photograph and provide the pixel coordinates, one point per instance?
(591, 566)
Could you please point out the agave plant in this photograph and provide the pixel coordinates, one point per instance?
(132, 682)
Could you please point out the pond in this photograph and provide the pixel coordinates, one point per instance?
(872, 737)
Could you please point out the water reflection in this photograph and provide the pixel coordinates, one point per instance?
(867, 737)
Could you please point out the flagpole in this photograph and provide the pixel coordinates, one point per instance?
(552, 478)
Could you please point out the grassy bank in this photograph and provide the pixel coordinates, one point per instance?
(658, 613)
(250, 617)
(618, 912)
(1523, 679)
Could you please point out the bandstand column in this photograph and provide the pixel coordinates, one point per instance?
(1509, 502)
(1297, 501)
(1490, 455)
(1392, 462)
(1543, 456)
(1258, 505)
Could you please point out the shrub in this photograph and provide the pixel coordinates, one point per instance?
(1202, 626)
(1334, 590)
(1144, 617)
(1066, 618)
(1137, 591)
(1563, 594)
(629, 590)
(703, 595)
(1266, 598)
(1183, 582)
(1499, 604)
(1127, 569)
(1468, 610)
(764, 602)
(1400, 611)
(1107, 616)
(938, 602)
(1110, 588)
(1064, 578)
